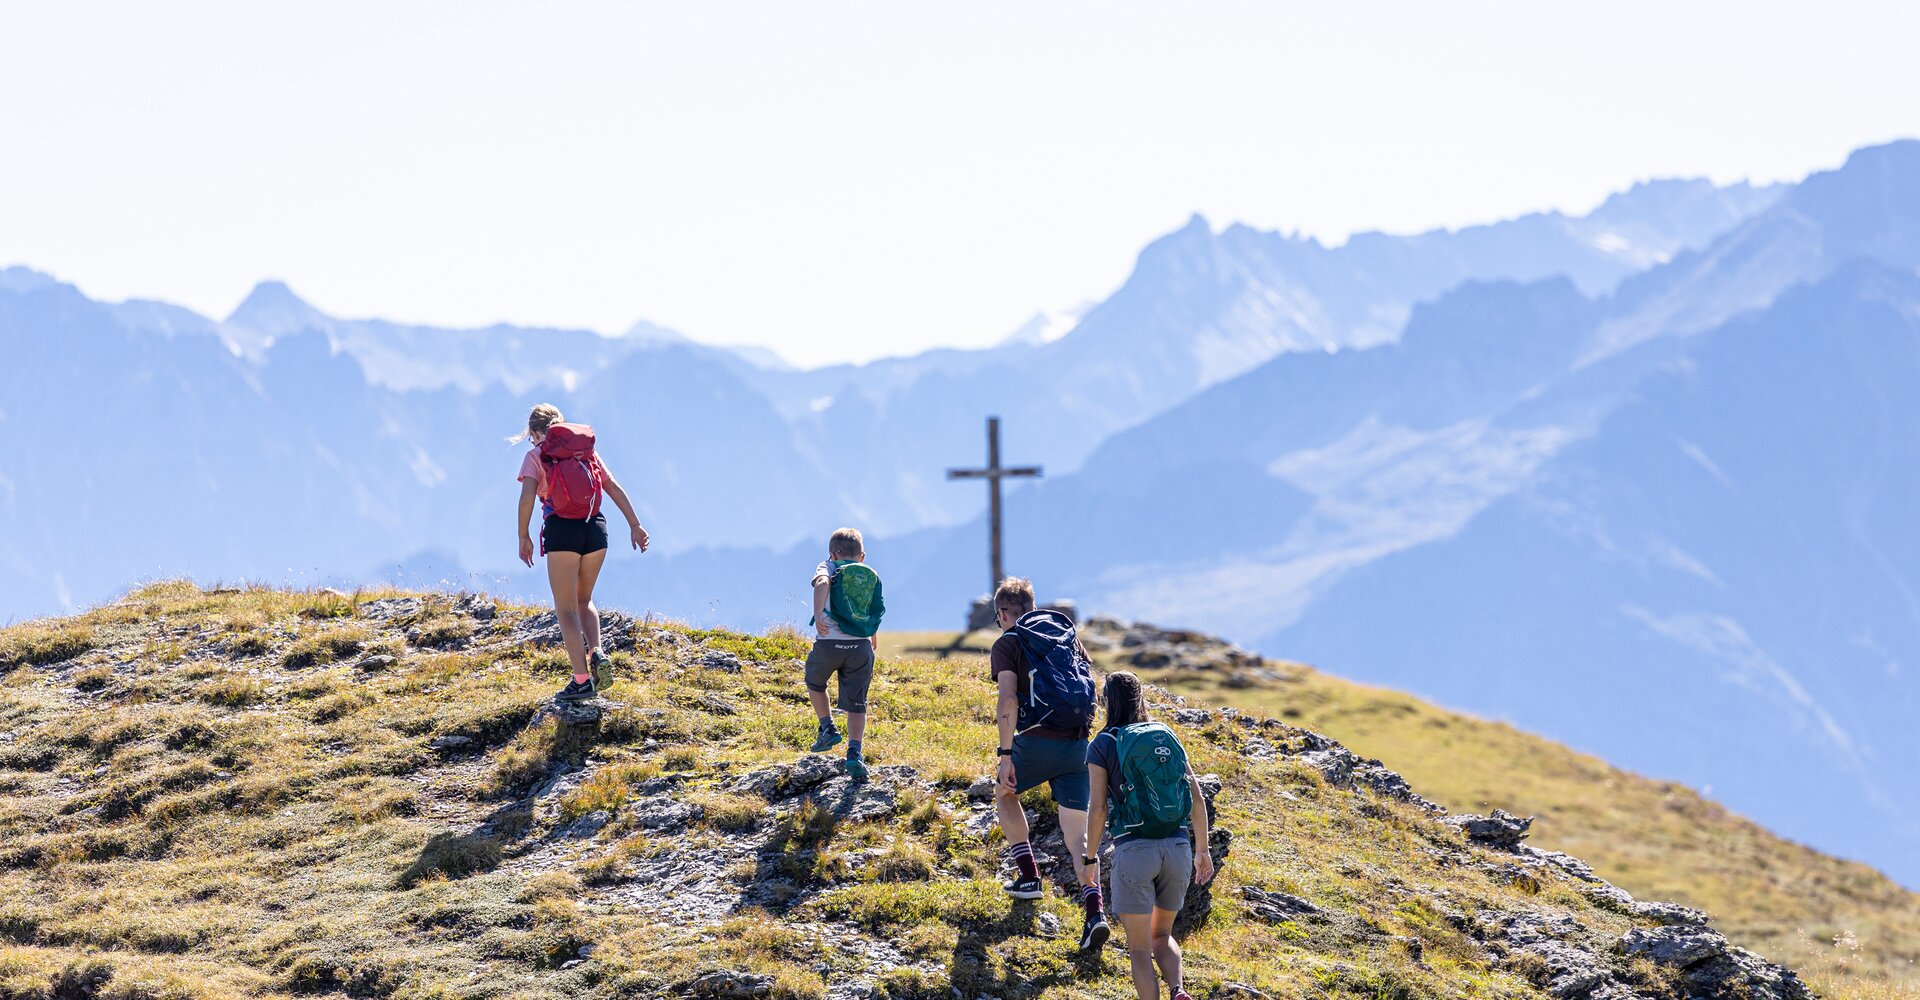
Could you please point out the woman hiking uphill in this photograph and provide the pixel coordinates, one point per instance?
(1153, 808)
(563, 472)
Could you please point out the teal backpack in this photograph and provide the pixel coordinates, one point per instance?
(853, 598)
(1154, 801)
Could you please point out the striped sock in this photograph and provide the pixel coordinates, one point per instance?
(1090, 898)
(1022, 856)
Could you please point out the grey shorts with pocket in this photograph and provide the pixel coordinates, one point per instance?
(1151, 874)
(852, 659)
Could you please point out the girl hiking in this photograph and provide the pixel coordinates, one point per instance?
(1152, 806)
(562, 471)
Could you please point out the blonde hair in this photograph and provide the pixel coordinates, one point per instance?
(1015, 594)
(846, 543)
(544, 415)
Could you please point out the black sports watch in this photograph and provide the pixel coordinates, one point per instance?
(1004, 752)
(1089, 859)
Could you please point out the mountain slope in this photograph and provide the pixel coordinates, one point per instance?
(258, 793)
(1655, 838)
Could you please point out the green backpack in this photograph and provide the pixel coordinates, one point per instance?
(1153, 801)
(853, 598)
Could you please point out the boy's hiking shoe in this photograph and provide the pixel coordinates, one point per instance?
(856, 769)
(576, 691)
(1095, 933)
(828, 739)
(601, 668)
(1027, 888)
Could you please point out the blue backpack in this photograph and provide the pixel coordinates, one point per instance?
(1059, 680)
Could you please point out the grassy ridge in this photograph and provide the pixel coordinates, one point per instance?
(209, 795)
(1850, 927)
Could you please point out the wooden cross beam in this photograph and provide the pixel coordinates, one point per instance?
(993, 473)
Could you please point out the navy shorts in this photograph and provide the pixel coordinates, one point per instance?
(1062, 764)
(563, 534)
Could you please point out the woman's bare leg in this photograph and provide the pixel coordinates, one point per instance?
(563, 574)
(1140, 954)
(589, 615)
(1166, 950)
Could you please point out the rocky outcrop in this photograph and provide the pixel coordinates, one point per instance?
(1147, 647)
(543, 629)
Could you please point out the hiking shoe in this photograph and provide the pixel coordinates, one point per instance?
(576, 691)
(1181, 995)
(829, 738)
(1095, 934)
(601, 668)
(1027, 888)
(856, 768)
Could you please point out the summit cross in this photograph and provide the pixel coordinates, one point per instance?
(993, 473)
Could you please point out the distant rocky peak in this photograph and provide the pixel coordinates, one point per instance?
(272, 310)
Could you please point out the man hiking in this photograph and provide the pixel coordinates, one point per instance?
(1045, 710)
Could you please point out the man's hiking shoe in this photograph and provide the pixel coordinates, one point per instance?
(829, 738)
(576, 691)
(601, 668)
(856, 769)
(1095, 934)
(1026, 888)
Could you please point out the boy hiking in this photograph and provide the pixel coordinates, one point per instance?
(847, 607)
(564, 474)
(1045, 710)
(1151, 804)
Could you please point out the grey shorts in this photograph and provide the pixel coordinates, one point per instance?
(1151, 874)
(1062, 764)
(852, 660)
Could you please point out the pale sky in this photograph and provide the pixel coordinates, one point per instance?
(839, 181)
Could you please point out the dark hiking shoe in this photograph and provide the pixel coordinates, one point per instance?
(601, 668)
(856, 768)
(828, 739)
(576, 691)
(1095, 933)
(1025, 888)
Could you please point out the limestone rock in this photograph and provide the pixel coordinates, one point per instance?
(543, 629)
(719, 659)
(722, 984)
(786, 780)
(663, 813)
(1276, 907)
(476, 607)
(1502, 829)
(1680, 946)
(588, 825)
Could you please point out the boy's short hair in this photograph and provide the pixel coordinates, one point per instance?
(846, 544)
(1015, 594)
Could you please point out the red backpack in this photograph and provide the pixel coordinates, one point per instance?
(573, 482)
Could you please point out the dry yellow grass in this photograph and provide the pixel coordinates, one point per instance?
(226, 819)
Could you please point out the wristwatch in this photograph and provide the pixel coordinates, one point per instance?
(1089, 859)
(1004, 752)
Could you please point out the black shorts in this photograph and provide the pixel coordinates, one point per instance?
(564, 534)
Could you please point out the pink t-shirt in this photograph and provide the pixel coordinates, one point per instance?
(530, 468)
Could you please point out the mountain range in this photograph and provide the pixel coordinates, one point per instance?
(1638, 464)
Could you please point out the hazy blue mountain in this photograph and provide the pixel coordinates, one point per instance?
(178, 455)
(1730, 560)
(1199, 308)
